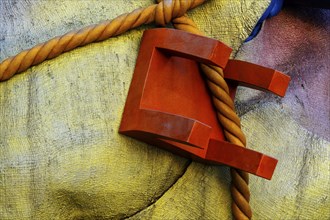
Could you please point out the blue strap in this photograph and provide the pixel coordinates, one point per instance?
(272, 10)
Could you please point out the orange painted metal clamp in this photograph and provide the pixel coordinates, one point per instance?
(169, 105)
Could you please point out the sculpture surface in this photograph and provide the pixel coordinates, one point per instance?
(61, 155)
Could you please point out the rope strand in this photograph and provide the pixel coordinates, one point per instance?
(161, 13)
(230, 122)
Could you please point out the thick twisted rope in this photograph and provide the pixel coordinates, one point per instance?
(229, 120)
(161, 13)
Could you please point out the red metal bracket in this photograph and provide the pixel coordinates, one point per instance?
(169, 105)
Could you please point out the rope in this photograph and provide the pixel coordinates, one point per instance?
(230, 122)
(161, 13)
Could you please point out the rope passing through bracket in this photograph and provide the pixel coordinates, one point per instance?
(161, 13)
